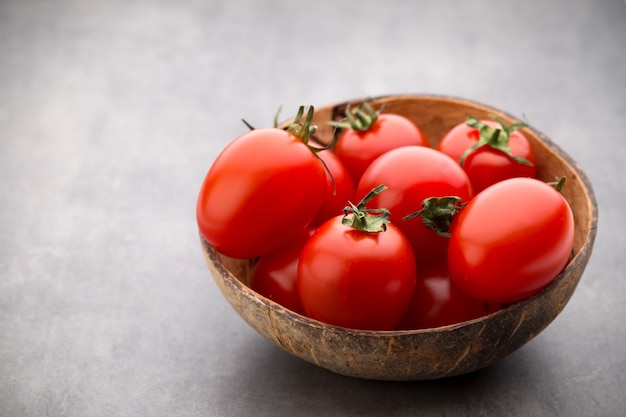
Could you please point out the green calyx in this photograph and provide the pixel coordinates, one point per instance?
(496, 138)
(303, 130)
(558, 184)
(367, 220)
(360, 119)
(438, 212)
(299, 128)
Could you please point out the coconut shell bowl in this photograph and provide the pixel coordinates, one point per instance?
(427, 353)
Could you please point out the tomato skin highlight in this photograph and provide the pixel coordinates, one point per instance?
(276, 274)
(337, 197)
(511, 240)
(486, 166)
(438, 302)
(412, 174)
(263, 188)
(355, 279)
(357, 149)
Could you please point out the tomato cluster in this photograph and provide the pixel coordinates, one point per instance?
(439, 236)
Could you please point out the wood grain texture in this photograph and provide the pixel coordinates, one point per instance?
(429, 353)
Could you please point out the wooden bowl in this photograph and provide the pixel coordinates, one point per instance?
(429, 353)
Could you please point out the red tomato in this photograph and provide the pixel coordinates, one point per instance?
(412, 174)
(360, 143)
(263, 189)
(276, 274)
(511, 240)
(488, 164)
(356, 279)
(438, 302)
(336, 197)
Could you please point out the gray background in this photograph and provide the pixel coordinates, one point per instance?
(112, 111)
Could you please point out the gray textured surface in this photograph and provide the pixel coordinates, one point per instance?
(112, 111)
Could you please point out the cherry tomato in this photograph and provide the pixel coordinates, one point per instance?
(489, 162)
(338, 194)
(510, 241)
(356, 278)
(275, 275)
(412, 174)
(263, 189)
(438, 302)
(370, 134)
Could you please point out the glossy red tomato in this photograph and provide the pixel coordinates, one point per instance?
(367, 139)
(490, 163)
(511, 240)
(438, 302)
(356, 279)
(275, 275)
(335, 198)
(412, 174)
(265, 187)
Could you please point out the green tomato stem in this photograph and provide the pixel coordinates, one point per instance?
(360, 119)
(496, 138)
(303, 131)
(558, 184)
(364, 219)
(437, 213)
(276, 115)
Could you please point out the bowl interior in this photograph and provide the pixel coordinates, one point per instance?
(428, 353)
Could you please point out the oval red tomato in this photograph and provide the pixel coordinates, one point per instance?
(487, 165)
(276, 274)
(412, 174)
(438, 302)
(358, 148)
(356, 279)
(511, 240)
(338, 194)
(263, 188)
